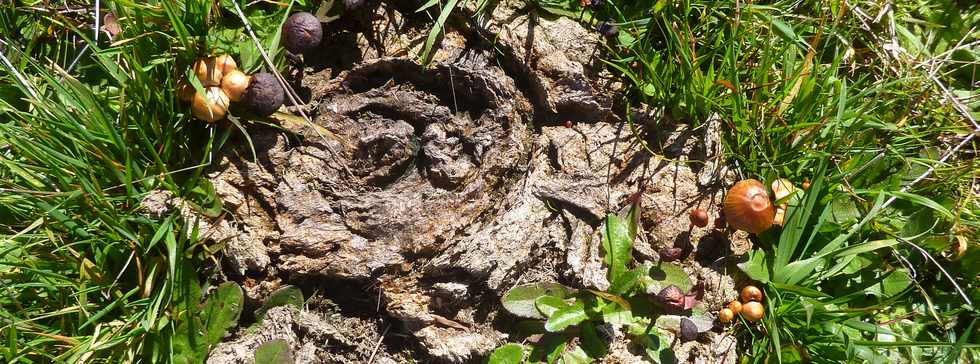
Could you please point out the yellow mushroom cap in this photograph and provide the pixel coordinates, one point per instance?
(211, 106)
(753, 311)
(234, 84)
(225, 63)
(208, 72)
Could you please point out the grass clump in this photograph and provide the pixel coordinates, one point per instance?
(89, 125)
(878, 111)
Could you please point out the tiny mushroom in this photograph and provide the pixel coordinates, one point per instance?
(301, 32)
(208, 72)
(699, 218)
(264, 94)
(753, 311)
(211, 106)
(747, 207)
(225, 64)
(735, 306)
(234, 84)
(726, 315)
(751, 294)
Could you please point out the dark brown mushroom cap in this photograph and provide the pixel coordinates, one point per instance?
(689, 331)
(301, 32)
(264, 94)
(671, 297)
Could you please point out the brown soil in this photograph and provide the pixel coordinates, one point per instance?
(421, 194)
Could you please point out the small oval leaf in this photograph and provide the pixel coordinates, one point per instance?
(563, 318)
(507, 354)
(548, 305)
(519, 300)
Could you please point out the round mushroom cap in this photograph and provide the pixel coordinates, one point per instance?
(264, 94)
(301, 32)
(747, 207)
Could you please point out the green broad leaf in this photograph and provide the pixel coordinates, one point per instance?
(666, 274)
(548, 305)
(617, 245)
(221, 311)
(844, 211)
(617, 315)
(548, 349)
(274, 352)
(611, 297)
(891, 284)
(189, 346)
(285, 296)
(639, 326)
(625, 283)
(657, 347)
(575, 356)
(631, 216)
(507, 354)
(757, 267)
(592, 343)
(920, 222)
(668, 322)
(649, 89)
(568, 316)
(520, 300)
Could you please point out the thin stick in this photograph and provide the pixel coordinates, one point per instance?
(377, 345)
(98, 18)
(933, 260)
(289, 90)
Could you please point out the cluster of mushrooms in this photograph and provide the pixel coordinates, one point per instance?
(750, 307)
(748, 207)
(261, 93)
(224, 83)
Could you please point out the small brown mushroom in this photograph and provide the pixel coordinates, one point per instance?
(208, 72)
(301, 32)
(726, 315)
(747, 207)
(699, 217)
(225, 64)
(751, 294)
(234, 84)
(735, 306)
(211, 106)
(264, 94)
(753, 311)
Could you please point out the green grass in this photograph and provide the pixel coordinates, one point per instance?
(84, 274)
(810, 91)
(806, 90)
